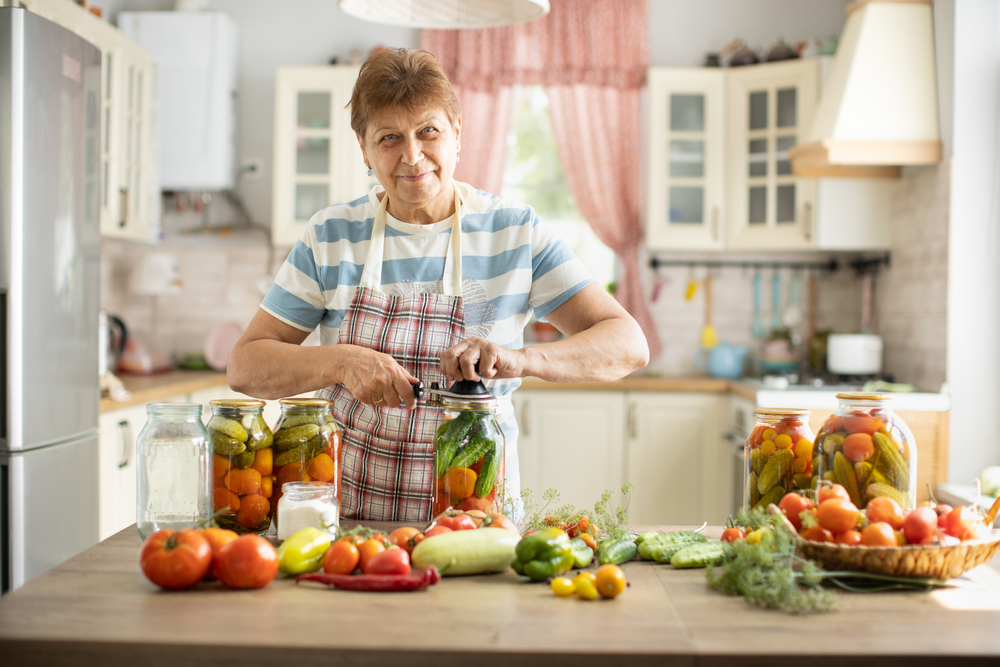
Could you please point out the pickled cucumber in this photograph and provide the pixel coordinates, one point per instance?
(226, 446)
(229, 427)
(244, 460)
(287, 438)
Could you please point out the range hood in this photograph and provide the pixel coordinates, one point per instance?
(878, 109)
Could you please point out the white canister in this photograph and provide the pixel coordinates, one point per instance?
(854, 354)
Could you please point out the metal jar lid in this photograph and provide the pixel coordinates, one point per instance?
(462, 395)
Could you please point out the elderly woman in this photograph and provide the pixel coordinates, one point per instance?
(423, 278)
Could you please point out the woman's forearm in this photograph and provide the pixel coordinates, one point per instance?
(272, 369)
(608, 350)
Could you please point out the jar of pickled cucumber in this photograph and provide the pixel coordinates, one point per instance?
(468, 449)
(778, 456)
(866, 448)
(242, 465)
(307, 444)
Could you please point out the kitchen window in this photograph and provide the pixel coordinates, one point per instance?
(534, 175)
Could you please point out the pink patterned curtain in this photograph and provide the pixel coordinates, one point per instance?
(592, 57)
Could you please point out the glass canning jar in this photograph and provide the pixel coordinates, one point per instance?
(778, 456)
(175, 469)
(307, 445)
(242, 464)
(307, 505)
(866, 448)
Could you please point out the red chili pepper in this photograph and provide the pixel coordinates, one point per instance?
(376, 582)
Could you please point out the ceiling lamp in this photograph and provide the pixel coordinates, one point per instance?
(446, 14)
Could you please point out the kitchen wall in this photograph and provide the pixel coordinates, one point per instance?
(220, 275)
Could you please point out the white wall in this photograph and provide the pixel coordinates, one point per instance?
(974, 255)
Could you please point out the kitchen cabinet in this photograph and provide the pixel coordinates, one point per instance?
(685, 204)
(665, 443)
(117, 467)
(129, 188)
(317, 160)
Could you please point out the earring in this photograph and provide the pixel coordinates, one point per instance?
(457, 157)
(369, 171)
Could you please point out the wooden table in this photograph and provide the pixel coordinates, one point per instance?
(98, 609)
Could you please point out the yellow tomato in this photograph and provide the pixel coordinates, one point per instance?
(767, 447)
(563, 587)
(783, 441)
(756, 536)
(610, 580)
(585, 584)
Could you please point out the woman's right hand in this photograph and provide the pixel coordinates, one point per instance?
(376, 378)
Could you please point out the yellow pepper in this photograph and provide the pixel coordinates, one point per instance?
(303, 551)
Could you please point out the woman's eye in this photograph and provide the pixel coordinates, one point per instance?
(428, 130)
(388, 137)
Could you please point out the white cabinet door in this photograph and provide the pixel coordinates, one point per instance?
(674, 458)
(117, 468)
(317, 160)
(770, 107)
(570, 441)
(685, 174)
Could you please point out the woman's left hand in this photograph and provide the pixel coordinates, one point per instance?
(495, 361)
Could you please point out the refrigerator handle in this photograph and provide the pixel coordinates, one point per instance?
(122, 207)
(126, 432)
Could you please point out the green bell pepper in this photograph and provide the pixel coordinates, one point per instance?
(582, 554)
(303, 551)
(544, 554)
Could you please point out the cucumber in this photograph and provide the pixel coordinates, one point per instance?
(660, 541)
(447, 440)
(229, 427)
(616, 552)
(488, 474)
(289, 438)
(582, 554)
(226, 446)
(474, 551)
(699, 555)
(480, 444)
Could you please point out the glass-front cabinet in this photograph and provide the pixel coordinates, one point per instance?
(317, 160)
(770, 107)
(685, 191)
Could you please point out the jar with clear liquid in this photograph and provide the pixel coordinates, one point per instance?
(175, 469)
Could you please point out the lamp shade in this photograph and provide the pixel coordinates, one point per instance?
(446, 14)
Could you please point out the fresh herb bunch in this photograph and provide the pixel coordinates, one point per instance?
(610, 520)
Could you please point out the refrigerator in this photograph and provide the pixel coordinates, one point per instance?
(50, 102)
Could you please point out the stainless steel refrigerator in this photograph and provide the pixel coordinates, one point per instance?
(49, 294)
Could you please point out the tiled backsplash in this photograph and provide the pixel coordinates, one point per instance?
(224, 281)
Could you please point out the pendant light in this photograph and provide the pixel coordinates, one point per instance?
(446, 14)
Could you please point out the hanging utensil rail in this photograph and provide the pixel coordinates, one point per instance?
(830, 266)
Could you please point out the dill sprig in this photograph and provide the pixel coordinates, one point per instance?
(607, 518)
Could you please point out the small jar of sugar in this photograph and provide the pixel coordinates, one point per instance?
(305, 505)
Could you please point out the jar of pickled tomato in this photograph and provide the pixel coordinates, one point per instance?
(866, 448)
(778, 456)
(242, 463)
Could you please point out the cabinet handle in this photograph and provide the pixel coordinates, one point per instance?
(715, 223)
(525, 422)
(123, 207)
(126, 431)
(809, 221)
(632, 428)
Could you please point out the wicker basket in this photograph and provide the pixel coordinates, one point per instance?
(931, 561)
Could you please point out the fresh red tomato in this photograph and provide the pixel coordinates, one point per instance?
(878, 534)
(402, 537)
(920, 526)
(497, 520)
(391, 561)
(827, 491)
(733, 533)
(579, 525)
(817, 533)
(837, 515)
(943, 509)
(848, 537)
(174, 560)
(458, 522)
(249, 561)
(553, 521)
(437, 530)
(792, 504)
(958, 522)
(341, 558)
(217, 538)
(368, 550)
(885, 509)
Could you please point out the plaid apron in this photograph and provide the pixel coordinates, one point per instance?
(388, 453)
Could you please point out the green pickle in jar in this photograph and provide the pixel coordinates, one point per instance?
(307, 444)
(469, 462)
(778, 456)
(242, 465)
(866, 448)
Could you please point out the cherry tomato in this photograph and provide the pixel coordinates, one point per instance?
(437, 530)
(249, 561)
(341, 558)
(589, 539)
(579, 525)
(827, 491)
(837, 515)
(878, 534)
(174, 560)
(458, 522)
(817, 533)
(958, 522)
(563, 587)
(792, 504)
(733, 533)
(610, 580)
(920, 526)
(390, 561)
(586, 586)
(496, 520)
(887, 510)
(859, 447)
(368, 551)
(942, 509)
(402, 537)
(848, 537)
(217, 537)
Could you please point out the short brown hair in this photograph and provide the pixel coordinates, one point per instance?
(408, 78)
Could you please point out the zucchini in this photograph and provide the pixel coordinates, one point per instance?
(467, 551)
(616, 551)
(699, 555)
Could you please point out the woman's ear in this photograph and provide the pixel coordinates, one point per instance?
(458, 134)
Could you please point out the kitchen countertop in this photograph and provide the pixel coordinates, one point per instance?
(151, 388)
(98, 609)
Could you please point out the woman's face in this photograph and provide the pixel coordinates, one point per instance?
(413, 156)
